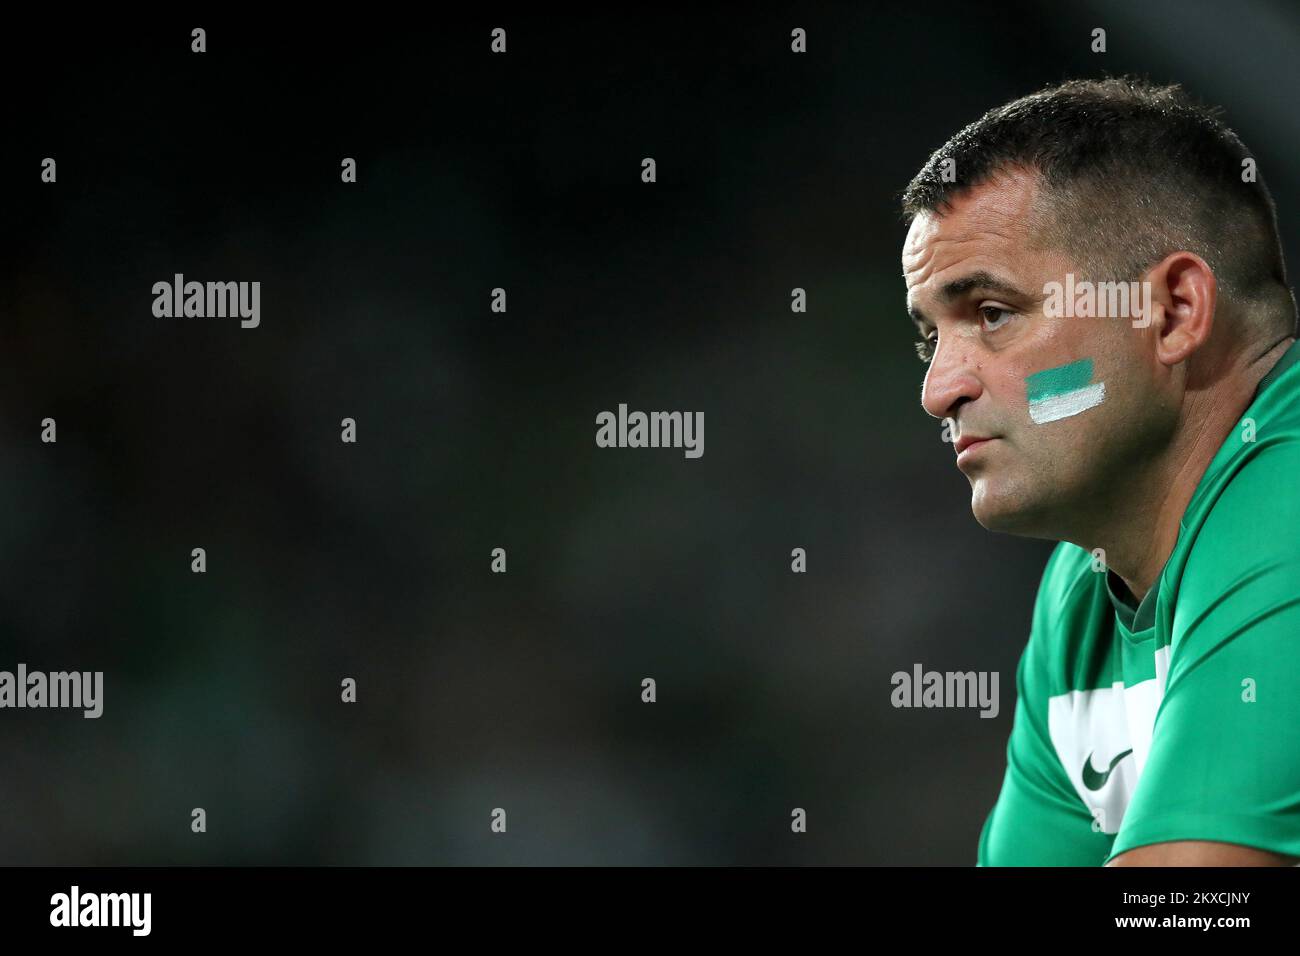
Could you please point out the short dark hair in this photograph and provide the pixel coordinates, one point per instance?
(1132, 172)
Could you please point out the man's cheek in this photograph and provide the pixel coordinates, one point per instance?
(1062, 391)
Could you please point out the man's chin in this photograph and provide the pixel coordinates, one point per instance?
(1000, 512)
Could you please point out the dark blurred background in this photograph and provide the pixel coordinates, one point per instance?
(476, 430)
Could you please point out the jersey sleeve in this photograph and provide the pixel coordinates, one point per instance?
(1038, 819)
(1225, 748)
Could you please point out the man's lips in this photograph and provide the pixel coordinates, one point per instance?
(965, 441)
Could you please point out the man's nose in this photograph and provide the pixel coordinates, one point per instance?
(953, 377)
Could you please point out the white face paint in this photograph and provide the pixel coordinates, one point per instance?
(1071, 403)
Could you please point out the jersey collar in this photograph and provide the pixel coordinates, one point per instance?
(1289, 358)
(1135, 619)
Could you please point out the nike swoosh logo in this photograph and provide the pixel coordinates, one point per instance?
(1094, 780)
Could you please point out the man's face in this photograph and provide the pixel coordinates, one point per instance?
(1072, 404)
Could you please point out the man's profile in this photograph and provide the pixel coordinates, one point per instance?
(1097, 278)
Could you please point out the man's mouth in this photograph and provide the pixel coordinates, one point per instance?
(966, 441)
(970, 446)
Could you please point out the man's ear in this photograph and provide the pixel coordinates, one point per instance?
(1183, 295)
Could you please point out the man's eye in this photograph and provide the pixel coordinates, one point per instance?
(925, 347)
(992, 313)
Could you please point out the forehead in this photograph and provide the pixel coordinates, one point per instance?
(988, 225)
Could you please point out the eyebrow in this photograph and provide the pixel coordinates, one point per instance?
(951, 291)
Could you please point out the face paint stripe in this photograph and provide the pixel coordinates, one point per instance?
(1067, 404)
(1056, 381)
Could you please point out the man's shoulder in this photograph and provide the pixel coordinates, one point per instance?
(1067, 569)
(1255, 477)
(1255, 507)
(1064, 618)
(1243, 545)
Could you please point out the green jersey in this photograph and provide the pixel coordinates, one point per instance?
(1177, 719)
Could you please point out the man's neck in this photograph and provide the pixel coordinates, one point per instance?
(1138, 540)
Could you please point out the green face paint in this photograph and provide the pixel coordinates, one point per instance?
(1063, 391)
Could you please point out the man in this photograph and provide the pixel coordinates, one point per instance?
(1156, 436)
